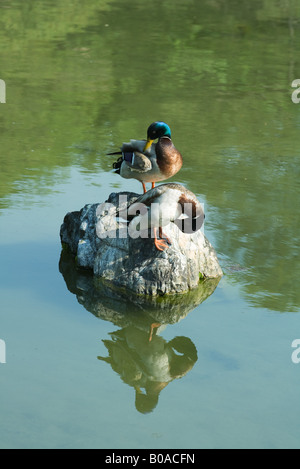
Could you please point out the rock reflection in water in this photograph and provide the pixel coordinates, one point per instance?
(145, 362)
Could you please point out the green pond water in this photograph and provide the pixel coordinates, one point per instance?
(81, 78)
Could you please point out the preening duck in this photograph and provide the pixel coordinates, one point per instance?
(164, 204)
(147, 161)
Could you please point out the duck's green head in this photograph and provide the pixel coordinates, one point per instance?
(157, 130)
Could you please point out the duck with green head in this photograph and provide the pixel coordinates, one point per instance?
(147, 161)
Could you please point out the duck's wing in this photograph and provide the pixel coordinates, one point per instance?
(138, 210)
(152, 196)
(161, 201)
(137, 161)
(135, 145)
(134, 156)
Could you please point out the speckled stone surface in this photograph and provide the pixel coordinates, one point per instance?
(99, 239)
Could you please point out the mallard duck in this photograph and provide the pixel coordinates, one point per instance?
(147, 161)
(161, 205)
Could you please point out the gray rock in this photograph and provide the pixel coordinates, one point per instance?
(99, 240)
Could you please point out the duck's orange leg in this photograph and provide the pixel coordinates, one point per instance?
(160, 244)
(162, 235)
(152, 327)
(144, 187)
(153, 185)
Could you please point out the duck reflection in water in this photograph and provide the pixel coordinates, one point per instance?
(146, 366)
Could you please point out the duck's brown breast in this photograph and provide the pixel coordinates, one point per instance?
(169, 159)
